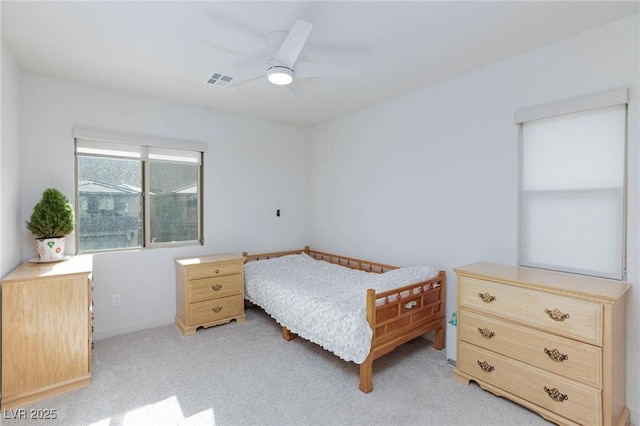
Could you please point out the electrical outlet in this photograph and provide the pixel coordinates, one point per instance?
(115, 300)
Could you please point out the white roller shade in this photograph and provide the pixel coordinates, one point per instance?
(572, 192)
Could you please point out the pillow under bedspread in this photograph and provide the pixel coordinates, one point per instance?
(321, 301)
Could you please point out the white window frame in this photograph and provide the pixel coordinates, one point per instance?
(143, 148)
(597, 101)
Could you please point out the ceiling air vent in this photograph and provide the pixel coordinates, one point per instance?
(220, 80)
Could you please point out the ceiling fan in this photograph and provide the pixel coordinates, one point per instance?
(282, 65)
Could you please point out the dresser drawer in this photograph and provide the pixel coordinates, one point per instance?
(575, 401)
(559, 355)
(216, 309)
(215, 287)
(562, 315)
(213, 270)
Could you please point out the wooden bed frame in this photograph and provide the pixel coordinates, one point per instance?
(395, 321)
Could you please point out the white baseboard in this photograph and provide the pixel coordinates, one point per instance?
(634, 417)
(105, 334)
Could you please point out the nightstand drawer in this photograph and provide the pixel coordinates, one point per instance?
(562, 396)
(216, 309)
(559, 355)
(213, 288)
(562, 315)
(218, 269)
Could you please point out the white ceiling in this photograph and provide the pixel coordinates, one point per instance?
(169, 49)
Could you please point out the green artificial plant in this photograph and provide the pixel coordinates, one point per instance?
(52, 217)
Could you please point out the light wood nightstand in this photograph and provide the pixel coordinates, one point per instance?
(209, 291)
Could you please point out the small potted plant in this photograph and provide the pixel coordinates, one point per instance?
(51, 221)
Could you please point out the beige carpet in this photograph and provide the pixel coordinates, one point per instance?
(246, 374)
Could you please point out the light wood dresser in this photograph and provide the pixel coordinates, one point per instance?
(550, 341)
(46, 330)
(209, 291)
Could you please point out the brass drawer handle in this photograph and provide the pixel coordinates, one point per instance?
(217, 309)
(556, 355)
(217, 271)
(555, 394)
(486, 367)
(216, 287)
(556, 315)
(486, 333)
(486, 297)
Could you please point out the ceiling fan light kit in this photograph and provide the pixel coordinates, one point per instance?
(280, 75)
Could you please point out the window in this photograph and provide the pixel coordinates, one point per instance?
(136, 192)
(573, 186)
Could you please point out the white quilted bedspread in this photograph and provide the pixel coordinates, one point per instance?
(323, 302)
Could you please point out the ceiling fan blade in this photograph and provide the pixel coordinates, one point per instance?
(298, 91)
(311, 69)
(294, 42)
(232, 52)
(240, 82)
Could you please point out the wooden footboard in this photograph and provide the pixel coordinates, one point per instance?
(395, 316)
(399, 315)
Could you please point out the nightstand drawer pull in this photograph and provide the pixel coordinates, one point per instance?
(217, 309)
(486, 367)
(486, 297)
(486, 333)
(555, 394)
(216, 287)
(217, 271)
(556, 315)
(556, 355)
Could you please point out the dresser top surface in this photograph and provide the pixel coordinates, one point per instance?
(551, 281)
(82, 264)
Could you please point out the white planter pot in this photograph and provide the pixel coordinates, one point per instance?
(50, 249)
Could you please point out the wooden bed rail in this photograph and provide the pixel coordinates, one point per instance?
(350, 262)
(271, 255)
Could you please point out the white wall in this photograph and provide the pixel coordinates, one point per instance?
(10, 255)
(11, 220)
(431, 178)
(252, 167)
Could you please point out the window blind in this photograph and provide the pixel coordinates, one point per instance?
(140, 152)
(572, 213)
(105, 144)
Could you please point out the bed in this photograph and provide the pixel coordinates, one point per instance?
(357, 309)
